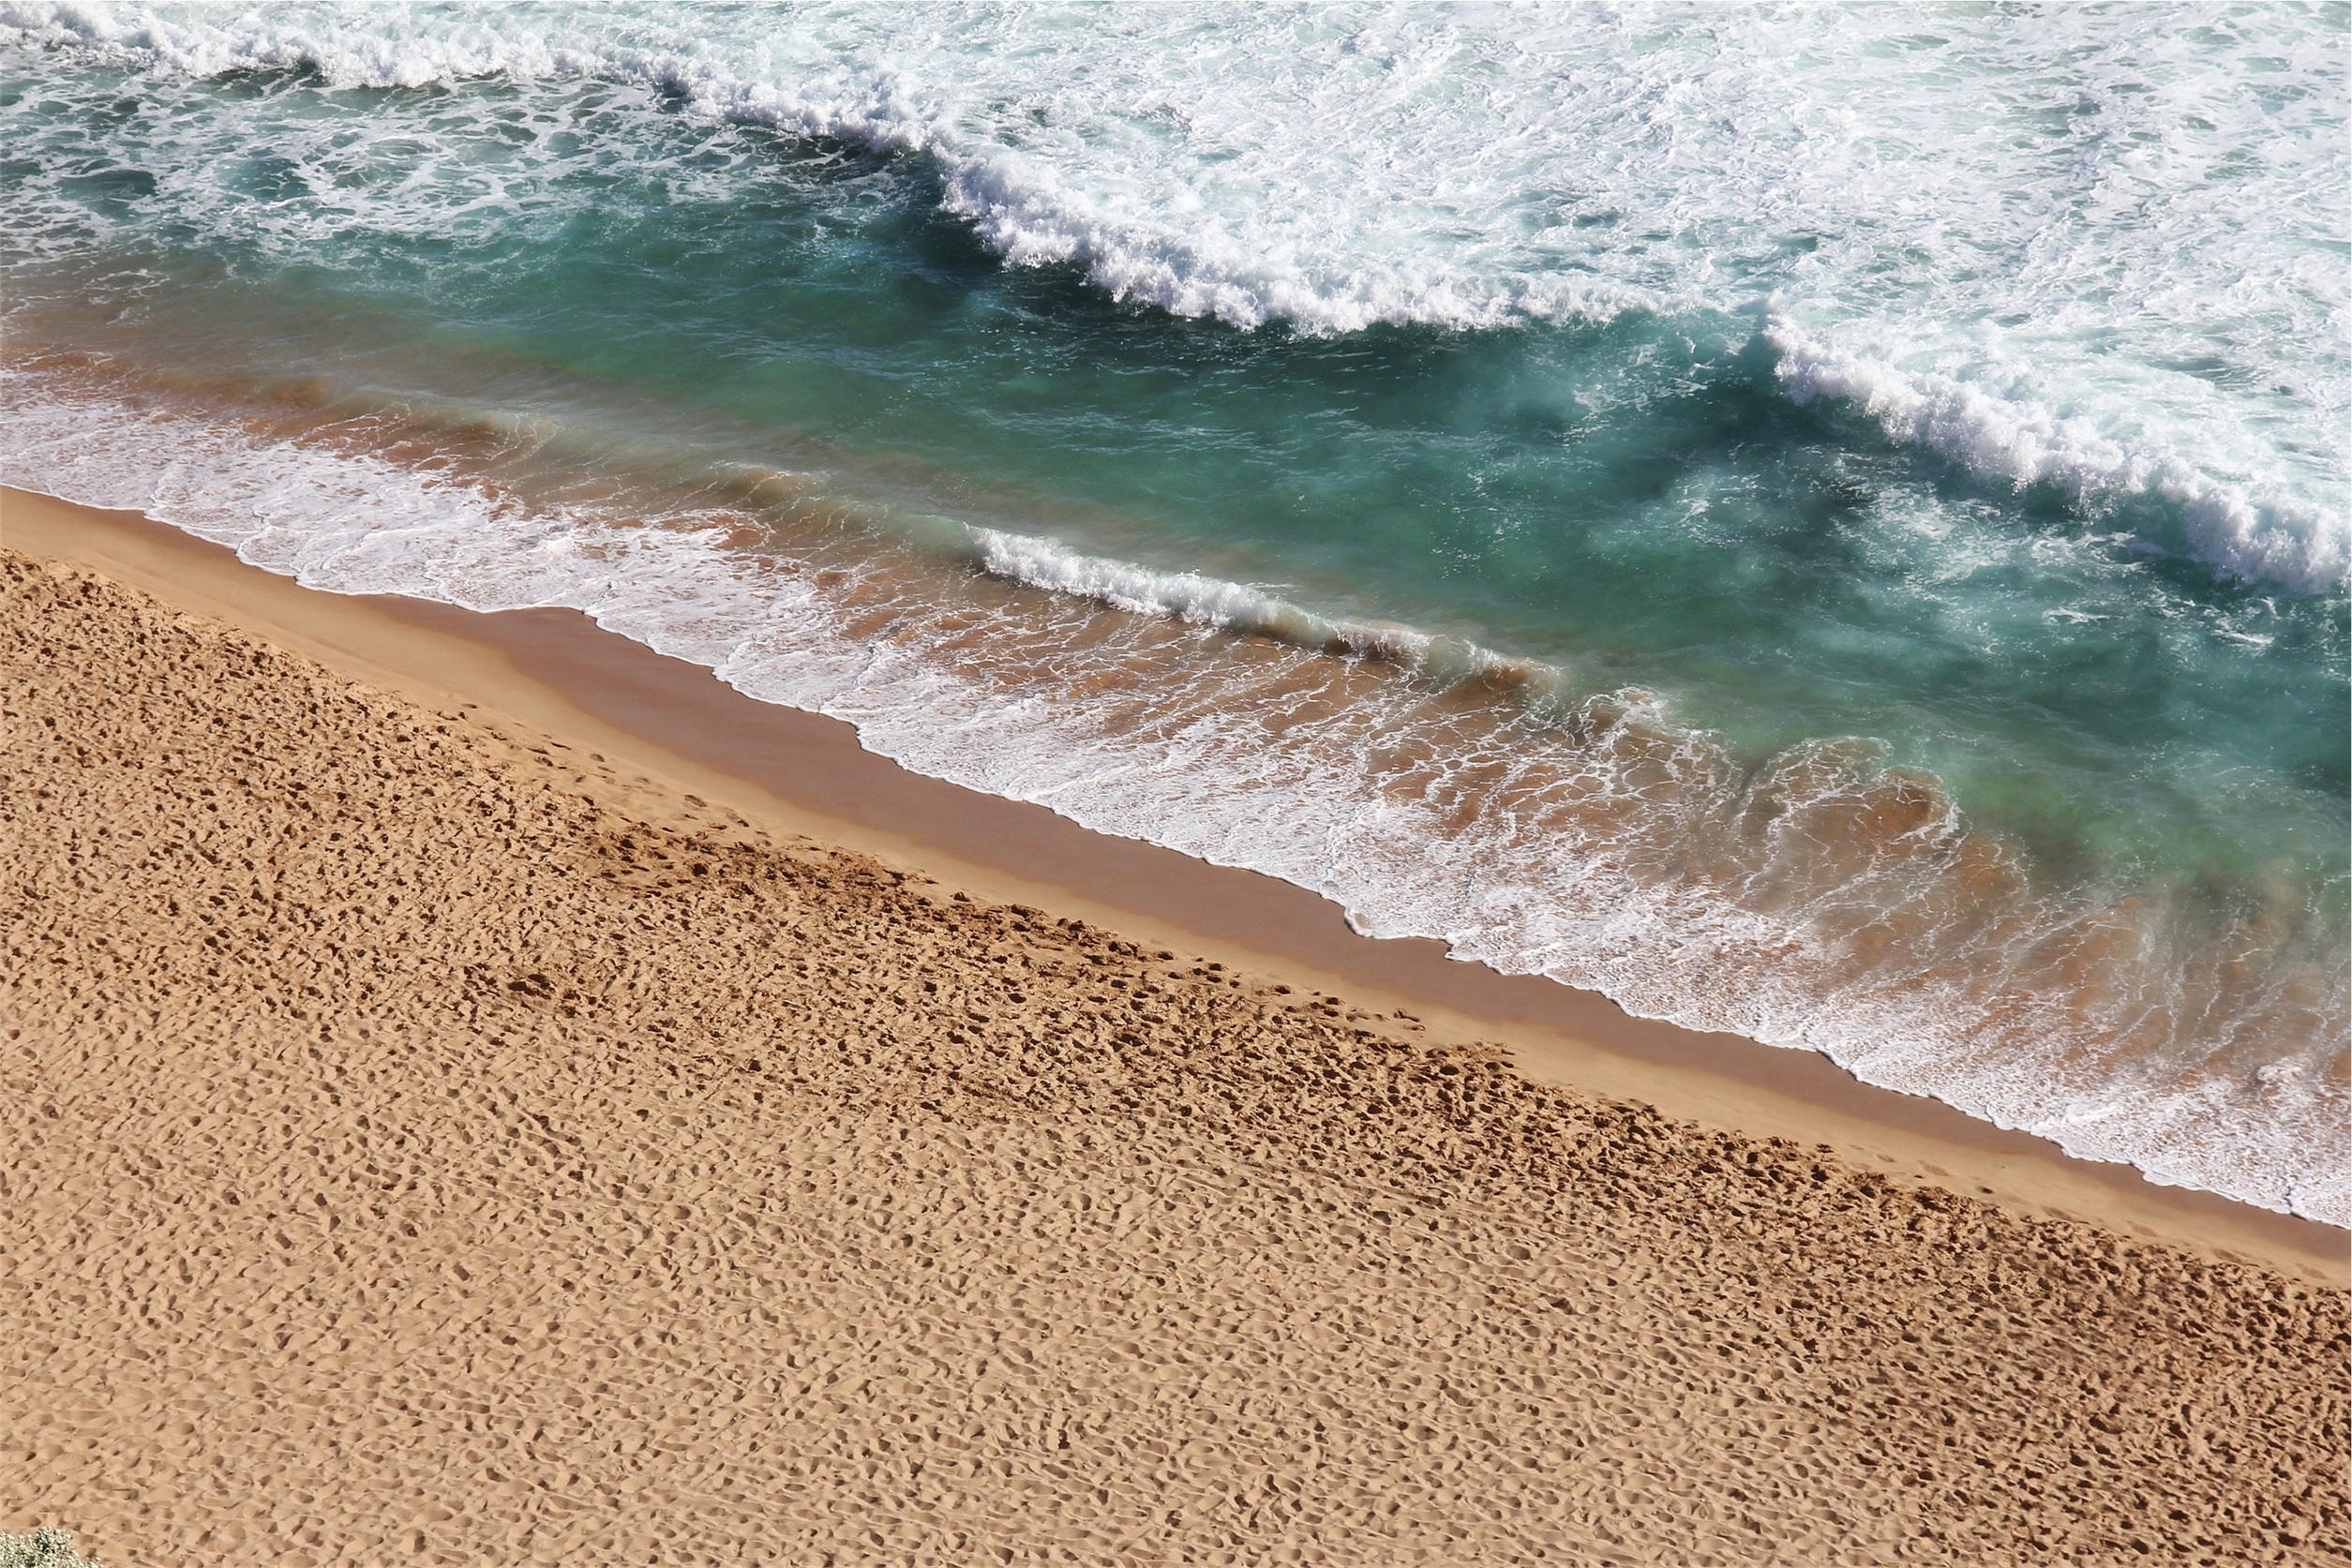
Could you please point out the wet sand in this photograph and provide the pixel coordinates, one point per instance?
(414, 1155)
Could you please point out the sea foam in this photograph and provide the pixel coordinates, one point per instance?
(1920, 232)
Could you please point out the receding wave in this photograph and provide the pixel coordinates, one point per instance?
(1821, 899)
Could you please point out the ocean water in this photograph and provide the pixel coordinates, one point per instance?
(1825, 523)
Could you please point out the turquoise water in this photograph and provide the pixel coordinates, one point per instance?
(1920, 637)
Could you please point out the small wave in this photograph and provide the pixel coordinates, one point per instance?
(2023, 444)
(1230, 606)
(1187, 596)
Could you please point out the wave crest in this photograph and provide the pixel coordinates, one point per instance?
(2024, 443)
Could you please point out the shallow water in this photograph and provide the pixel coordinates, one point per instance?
(1830, 526)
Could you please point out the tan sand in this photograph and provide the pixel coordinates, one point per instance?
(430, 1139)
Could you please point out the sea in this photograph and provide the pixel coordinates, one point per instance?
(1827, 522)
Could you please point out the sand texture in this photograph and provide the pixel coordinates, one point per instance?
(423, 1148)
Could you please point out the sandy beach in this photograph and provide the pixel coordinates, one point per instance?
(479, 1093)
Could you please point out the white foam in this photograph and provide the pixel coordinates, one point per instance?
(2037, 244)
(2022, 442)
(1198, 600)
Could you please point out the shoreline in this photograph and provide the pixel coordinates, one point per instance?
(686, 733)
(449, 1130)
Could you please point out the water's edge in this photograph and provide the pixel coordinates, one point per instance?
(729, 663)
(705, 735)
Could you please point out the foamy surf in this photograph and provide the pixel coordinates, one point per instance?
(2021, 442)
(1680, 884)
(1135, 163)
(1070, 198)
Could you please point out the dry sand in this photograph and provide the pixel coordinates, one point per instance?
(427, 1141)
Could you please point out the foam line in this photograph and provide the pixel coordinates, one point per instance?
(1189, 597)
(1604, 847)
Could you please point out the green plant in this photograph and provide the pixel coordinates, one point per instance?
(46, 1548)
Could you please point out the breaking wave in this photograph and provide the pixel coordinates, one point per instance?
(1470, 173)
(2021, 443)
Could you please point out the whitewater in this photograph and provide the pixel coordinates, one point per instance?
(1900, 228)
(2044, 315)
